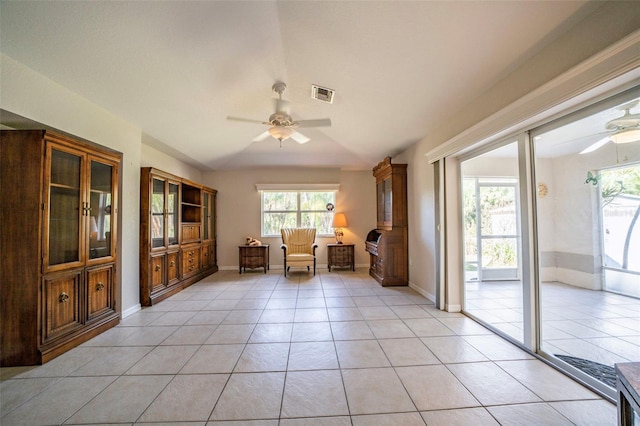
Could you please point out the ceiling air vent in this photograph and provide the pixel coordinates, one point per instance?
(322, 93)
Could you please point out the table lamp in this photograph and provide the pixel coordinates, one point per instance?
(339, 222)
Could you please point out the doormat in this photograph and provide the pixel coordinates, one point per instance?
(604, 373)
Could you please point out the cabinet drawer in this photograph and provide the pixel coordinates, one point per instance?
(190, 261)
(100, 291)
(61, 305)
(254, 261)
(254, 251)
(190, 233)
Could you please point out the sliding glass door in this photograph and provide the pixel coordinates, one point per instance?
(550, 224)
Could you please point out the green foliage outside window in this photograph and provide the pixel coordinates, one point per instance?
(296, 209)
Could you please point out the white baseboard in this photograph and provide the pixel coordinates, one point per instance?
(132, 310)
(453, 308)
(423, 292)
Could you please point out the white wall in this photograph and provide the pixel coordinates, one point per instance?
(239, 208)
(569, 222)
(151, 157)
(31, 95)
(608, 24)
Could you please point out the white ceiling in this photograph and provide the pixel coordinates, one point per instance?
(177, 69)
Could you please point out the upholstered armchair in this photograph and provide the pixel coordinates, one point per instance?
(299, 247)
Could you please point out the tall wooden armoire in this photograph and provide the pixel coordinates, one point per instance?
(388, 244)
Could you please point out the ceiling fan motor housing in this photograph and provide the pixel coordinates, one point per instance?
(281, 119)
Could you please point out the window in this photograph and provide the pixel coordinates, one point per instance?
(296, 209)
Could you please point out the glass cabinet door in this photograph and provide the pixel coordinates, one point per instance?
(100, 209)
(388, 202)
(65, 208)
(172, 213)
(157, 213)
(207, 216)
(380, 197)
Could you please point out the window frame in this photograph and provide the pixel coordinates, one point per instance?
(298, 211)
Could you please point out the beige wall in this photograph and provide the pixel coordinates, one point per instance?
(239, 208)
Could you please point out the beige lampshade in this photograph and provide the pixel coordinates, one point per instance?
(280, 133)
(339, 220)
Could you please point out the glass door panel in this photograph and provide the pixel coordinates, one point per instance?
(207, 216)
(499, 230)
(620, 202)
(493, 289)
(157, 213)
(65, 210)
(100, 199)
(588, 242)
(380, 197)
(172, 213)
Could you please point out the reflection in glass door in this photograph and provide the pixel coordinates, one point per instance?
(492, 243)
(551, 239)
(588, 241)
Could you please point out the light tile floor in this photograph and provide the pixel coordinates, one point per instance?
(261, 349)
(595, 325)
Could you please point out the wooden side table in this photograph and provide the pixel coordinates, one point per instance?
(253, 257)
(341, 255)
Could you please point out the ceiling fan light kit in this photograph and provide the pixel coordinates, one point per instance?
(282, 125)
(626, 136)
(626, 129)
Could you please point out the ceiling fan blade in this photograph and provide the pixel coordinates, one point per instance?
(299, 137)
(595, 146)
(321, 122)
(262, 136)
(280, 105)
(246, 120)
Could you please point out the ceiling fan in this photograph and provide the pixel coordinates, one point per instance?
(625, 129)
(282, 126)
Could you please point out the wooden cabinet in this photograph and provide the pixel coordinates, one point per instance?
(177, 234)
(388, 244)
(253, 257)
(59, 219)
(341, 255)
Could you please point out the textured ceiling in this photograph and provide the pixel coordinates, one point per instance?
(177, 69)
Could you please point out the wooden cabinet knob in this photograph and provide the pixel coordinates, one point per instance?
(99, 286)
(157, 268)
(63, 298)
(172, 263)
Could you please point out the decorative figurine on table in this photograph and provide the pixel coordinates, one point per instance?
(253, 242)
